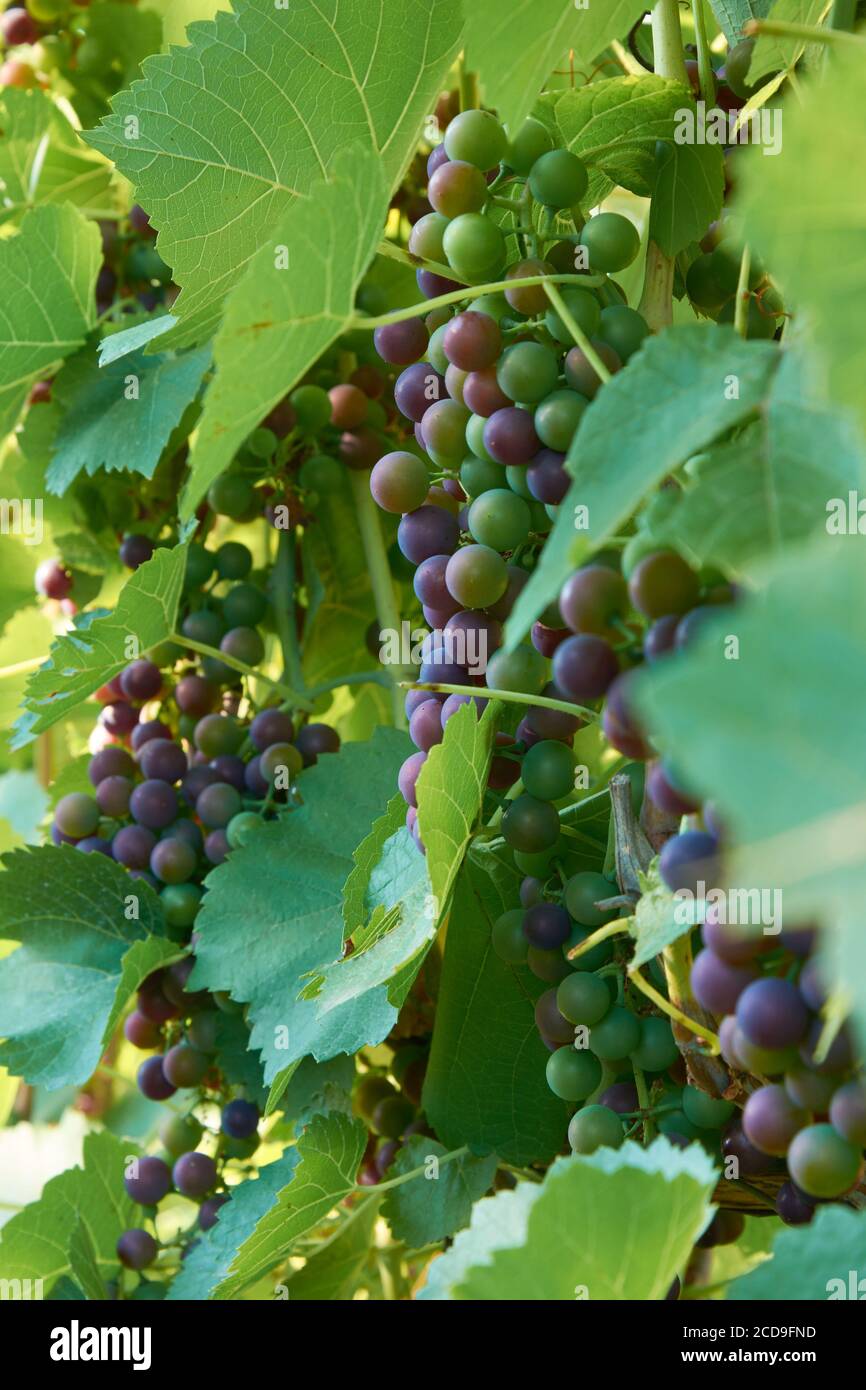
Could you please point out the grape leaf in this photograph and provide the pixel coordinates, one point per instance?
(824, 1260)
(239, 1065)
(733, 14)
(330, 1152)
(485, 1078)
(616, 1226)
(120, 344)
(140, 399)
(237, 125)
(314, 1086)
(38, 1242)
(800, 627)
(50, 270)
(516, 48)
(81, 958)
(439, 1201)
(679, 392)
(42, 159)
(614, 125)
(96, 651)
(450, 791)
(782, 470)
(209, 1262)
(83, 1263)
(287, 884)
(295, 297)
(772, 52)
(808, 222)
(334, 1269)
(654, 925)
(688, 194)
(356, 890)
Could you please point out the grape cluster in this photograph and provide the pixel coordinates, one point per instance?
(47, 38)
(389, 1104)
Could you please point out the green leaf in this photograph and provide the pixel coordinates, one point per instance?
(126, 340)
(41, 1241)
(814, 1263)
(83, 1263)
(296, 296)
(808, 222)
(450, 791)
(688, 194)
(330, 1151)
(23, 803)
(334, 1269)
(485, 1080)
(681, 391)
(230, 116)
(286, 884)
(240, 1065)
(439, 1201)
(356, 899)
(317, 1087)
(515, 48)
(42, 159)
(208, 1264)
(96, 651)
(786, 787)
(125, 36)
(614, 125)
(139, 399)
(655, 925)
(733, 14)
(63, 990)
(616, 1226)
(773, 53)
(783, 471)
(50, 269)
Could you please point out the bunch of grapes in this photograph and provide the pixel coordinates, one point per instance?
(45, 39)
(389, 1104)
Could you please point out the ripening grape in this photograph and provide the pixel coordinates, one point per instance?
(315, 739)
(558, 179)
(149, 1179)
(772, 1013)
(153, 804)
(584, 667)
(136, 1249)
(530, 825)
(194, 1174)
(508, 939)
(595, 1127)
(822, 1163)
(240, 1119)
(400, 343)
(611, 240)
(572, 1075)
(477, 137)
(771, 1120)
(546, 925)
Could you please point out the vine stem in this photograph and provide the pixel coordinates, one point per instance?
(703, 1034)
(462, 1152)
(397, 253)
(292, 697)
(706, 74)
(741, 310)
(284, 608)
(511, 697)
(380, 575)
(353, 678)
(809, 33)
(414, 311)
(617, 928)
(649, 1128)
(577, 333)
(656, 304)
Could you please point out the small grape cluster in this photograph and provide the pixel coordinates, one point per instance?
(51, 37)
(389, 1103)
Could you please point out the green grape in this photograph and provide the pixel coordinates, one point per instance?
(542, 518)
(759, 324)
(179, 902)
(478, 475)
(592, 959)
(582, 892)
(244, 606)
(523, 670)
(584, 309)
(527, 372)
(262, 443)
(477, 138)
(200, 565)
(611, 240)
(702, 285)
(531, 141)
(475, 440)
(233, 560)
(476, 576)
(547, 965)
(583, 999)
(548, 770)
(474, 246)
(180, 1134)
(529, 825)
(539, 865)
(678, 1122)
(623, 329)
(436, 352)
(656, 1050)
(595, 1127)
(508, 940)
(558, 179)
(636, 549)
(312, 407)
(499, 519)
(572, 1075)
(617, 1035)
(322, 474)
(495, 305)
(515, 476)
(241, 827)
(557, 418)
(822, 1163)
(230, 495)
(705, 1112)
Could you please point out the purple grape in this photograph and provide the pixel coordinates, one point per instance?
(771, 1119)
(482, 393)
(546, 477)
(154, 804)
(717, 985)
(735, 944)
(113, 795)
(430, 588)
(848, 1113)
(551, 1024)
(509, 436)
(530, 891)
(415, 698)
(271, 726)
(436, 158)
(454, 703)
(173, 861)
(94, 844)
(142, 680)
(431, 286)
(196, 696)
(793, 1206)
(208, 1212)
(407, 777)
(840, 1056)
(315, 739)
(621, 1097)
(256, 782)
(216, 847)
(110, 762)
(150, 1179)
(417, 388)
(472, 341)
(194, 1174)
(136, 550)
(688, 860)
(666, 795)
(619, 723)
(196, 780)
(163, 761)
(584, 667)
(143, 733)
(136, 1249)
(401, 343)
(553, 723)
(659, 637)
(546, 925)
(231, 769)
(812, 987)
(800, 941)
(772, 1013)
(517, 581)
(240, 1119)
(132, 846)
(427, 531)
(752, 1163)
(425, 726)
(546, 640)
(140, 1031)
(185, 830)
